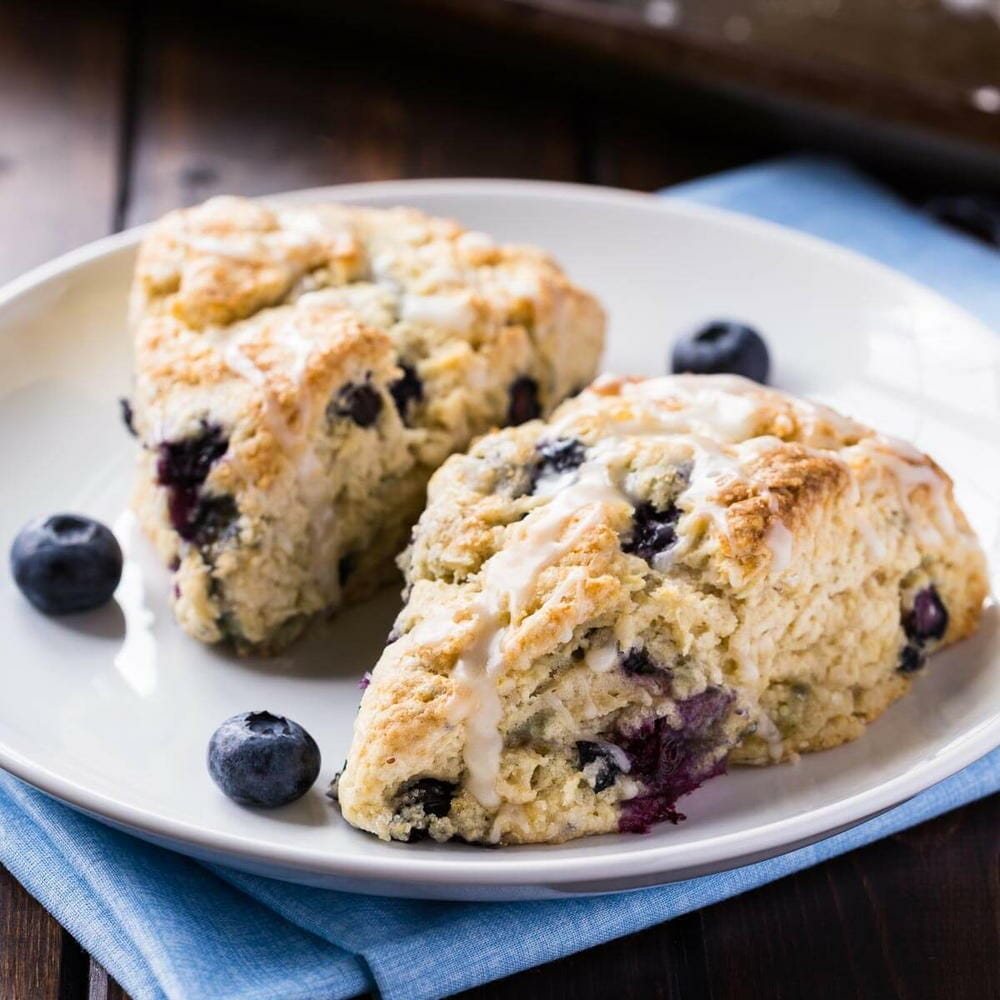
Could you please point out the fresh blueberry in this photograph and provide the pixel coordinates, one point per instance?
(260, 759)
(638, 663)
(66, 563)
(524, 404)
(603, 755)
(407, 390)
(359, 401)
(430, 794)
(127, 416)
(976, 215)
(653, 531)
(928, 618)
(723, 347)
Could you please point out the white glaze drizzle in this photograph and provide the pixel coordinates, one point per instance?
(710, 413)
(508, 581)
(243, 248)
(511, 574)
(781, 543)
(290, 336)
(287, 335)
(908, 467)
(448, 311)
(471, 239)
(602, 659)
(768, 732)
(297, 445)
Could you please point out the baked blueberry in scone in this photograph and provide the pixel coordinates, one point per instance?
(668, 576)
(301, 371)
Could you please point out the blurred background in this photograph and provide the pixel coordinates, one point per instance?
(113, 113)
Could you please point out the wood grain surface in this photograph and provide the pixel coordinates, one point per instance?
(110, 115)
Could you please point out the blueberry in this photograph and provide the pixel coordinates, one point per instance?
(670, 762)
(653, 531)
(260, 759)
(638, 663)
(182, 467)
(928, 618)
(722, 347)
(911, 659)
(559, 455)
(607, 770)
(524, 404)
(407, 391)
(976, 215)
(66, 563)
(702, 711)
(182, 509)
(214, 518)
(430, 794)
(186, 463)
(346, 565)
(127, 416)
(359, 401)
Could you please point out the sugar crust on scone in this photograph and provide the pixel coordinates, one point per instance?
(670, 575)
(300, 372)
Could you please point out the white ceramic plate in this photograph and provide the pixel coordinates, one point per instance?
(113, 715)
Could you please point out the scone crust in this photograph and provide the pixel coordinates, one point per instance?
(256, 324)
(801, 540)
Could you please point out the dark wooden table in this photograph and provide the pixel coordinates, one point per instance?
(111, 115)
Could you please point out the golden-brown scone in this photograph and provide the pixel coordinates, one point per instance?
(301, 371)
(670, 574)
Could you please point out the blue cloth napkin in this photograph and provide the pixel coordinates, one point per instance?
(169, 927)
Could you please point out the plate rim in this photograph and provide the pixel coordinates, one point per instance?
(425, 868)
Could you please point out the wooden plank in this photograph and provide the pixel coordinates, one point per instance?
(274, 107)
(102, 987)
(30, 945)
(911, 916)
(666, 962)
(60, 90)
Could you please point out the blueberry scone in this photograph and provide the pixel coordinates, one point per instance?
(301, 371)
(670, 575)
